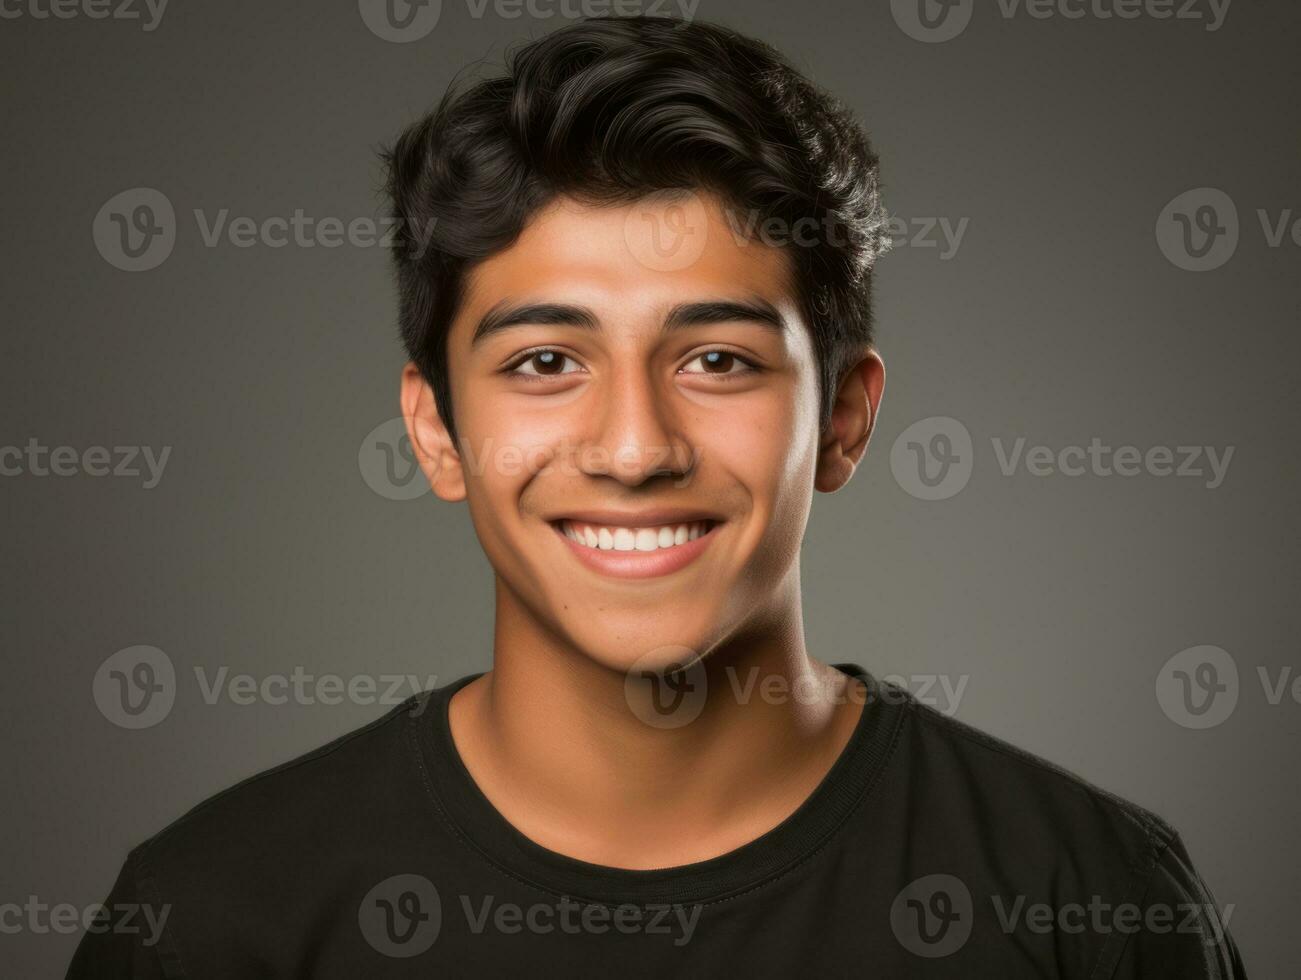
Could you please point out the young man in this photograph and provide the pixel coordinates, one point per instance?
(635, 295)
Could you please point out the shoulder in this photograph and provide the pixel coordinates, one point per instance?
(1039, 804)
(326, 793)
(259, 862)
(1051, 858)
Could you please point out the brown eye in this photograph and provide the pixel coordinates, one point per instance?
(717, 361)
(721, 363)
(542, 364)
(547, 362)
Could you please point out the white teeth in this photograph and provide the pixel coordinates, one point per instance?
(632, 538)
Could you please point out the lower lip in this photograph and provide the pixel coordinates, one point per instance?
(639, 564)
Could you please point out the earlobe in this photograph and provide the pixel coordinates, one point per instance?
(438, 458)
(853, 417)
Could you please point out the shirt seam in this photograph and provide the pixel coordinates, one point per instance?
(166, 949)
(1109, 956)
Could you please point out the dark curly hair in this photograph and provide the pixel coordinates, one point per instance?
(612, 109)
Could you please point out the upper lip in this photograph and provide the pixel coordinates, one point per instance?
(640, 518)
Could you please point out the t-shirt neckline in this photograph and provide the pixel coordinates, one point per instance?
(480, 825)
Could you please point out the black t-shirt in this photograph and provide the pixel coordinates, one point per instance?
(929, 849)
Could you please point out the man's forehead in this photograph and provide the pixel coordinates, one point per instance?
(644, 253)
(753, 310)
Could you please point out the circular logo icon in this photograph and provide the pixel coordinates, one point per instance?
(932, 21)
(135, 230)
(932, 916)
(667, 687)
(135, 687)
(400, 21)
(388, 463)
(1198, 687)
(666, 231)
(1198, 230)
(932, 459)
(401, 916)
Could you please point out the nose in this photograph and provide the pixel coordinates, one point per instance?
(635, 433)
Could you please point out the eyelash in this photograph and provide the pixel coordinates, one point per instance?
(511, 370)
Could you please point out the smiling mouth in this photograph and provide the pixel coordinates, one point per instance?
(628, 552)
(617, 539)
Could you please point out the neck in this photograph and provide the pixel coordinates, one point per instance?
(551, 740)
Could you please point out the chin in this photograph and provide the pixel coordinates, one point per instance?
(657, 653)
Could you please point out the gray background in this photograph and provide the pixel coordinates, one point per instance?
(263, 549)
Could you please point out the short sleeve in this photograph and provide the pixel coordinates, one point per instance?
(122, 942)
(1178, 930)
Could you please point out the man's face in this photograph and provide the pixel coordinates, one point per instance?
(649, 380)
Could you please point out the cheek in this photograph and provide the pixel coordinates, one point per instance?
(520, 410)
(502, 449)
(518, 454)
(768, 446)
(506, 440)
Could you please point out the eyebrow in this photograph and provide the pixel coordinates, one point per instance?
(505, 316)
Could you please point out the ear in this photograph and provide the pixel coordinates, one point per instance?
(853, 416)
(437, 455)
